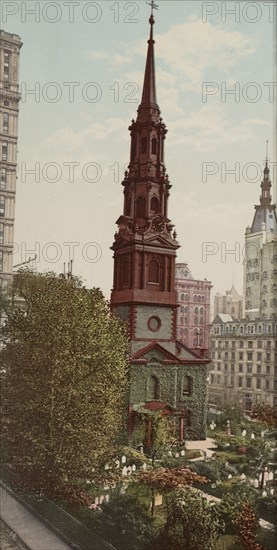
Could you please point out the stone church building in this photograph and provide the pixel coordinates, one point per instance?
(166, 375)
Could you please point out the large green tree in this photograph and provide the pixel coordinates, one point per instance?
(64, 380)
(192, 523)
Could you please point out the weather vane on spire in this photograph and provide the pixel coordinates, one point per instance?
(153, 6)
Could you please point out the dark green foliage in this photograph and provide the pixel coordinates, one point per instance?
(192, 523)
(125, 523)
(64, 381)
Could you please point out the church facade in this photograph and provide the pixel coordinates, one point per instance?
(166, 376)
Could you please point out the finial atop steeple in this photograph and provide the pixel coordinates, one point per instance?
(153, 7)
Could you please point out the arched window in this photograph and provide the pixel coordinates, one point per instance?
(124, 270)
(182, 297)
(154, 146)
(186, 386)
(154, 272)
(196, 337)
(154, 205)
(182, 309)
(143, 145)
(140, 207)
(153, 388)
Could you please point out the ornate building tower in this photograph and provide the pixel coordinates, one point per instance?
(10, 45)
(165, 375)
(260, 264)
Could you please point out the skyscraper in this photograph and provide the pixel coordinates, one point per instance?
(10, 45)
(165, 375)
(244, 352)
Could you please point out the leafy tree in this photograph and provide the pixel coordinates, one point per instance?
(192, 523)
(231, 503)
(64, 372)
(125, 523)
(266, 414)
(247, 526)
(167, 479)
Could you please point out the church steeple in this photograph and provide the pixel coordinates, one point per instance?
(145, 244)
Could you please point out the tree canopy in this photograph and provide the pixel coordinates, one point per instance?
(64, 379)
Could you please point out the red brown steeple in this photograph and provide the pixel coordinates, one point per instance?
(145, 244)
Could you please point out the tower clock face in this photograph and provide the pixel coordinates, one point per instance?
(158, 224)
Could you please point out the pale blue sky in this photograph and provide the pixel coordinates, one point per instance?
(111, 54)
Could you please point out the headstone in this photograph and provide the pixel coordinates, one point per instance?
(134, 468)
(123, 459)
(183, 453)
(243, 433)
(124, 471)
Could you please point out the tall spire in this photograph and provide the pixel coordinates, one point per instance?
(149, 96)
(265, 215)
(265, 198)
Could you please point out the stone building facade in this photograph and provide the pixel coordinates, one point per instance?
(166, 376)
(10, 45)
(231, 303)
(193, 314)
(244, 352)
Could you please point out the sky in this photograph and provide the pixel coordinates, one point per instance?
(81, 76)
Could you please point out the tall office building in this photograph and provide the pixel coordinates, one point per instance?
(244, 352)
(10, 45)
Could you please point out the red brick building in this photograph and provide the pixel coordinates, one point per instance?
(193, 315)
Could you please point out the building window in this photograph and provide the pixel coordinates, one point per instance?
(250, 344)
(187, 386)
(267, 368)
(240, 382)
(154, 272)
(240, 367)
(268, 356)
(3, 178)
(1, 233)
(212, 378)
(5, 123)
(154, 205)
(260, 344)
(140, 207)
(258, 383)
(154, 146)
(1, 261)
(153, 388)
(248, 382)
(241, 344)
(249, 355)
(268, 344)
(7, 58)
(5, 151)
(124, 270)
(259, 356)
(2, 206)
(267, 385)
(259, 369)
(249, 368)
(241, 355)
